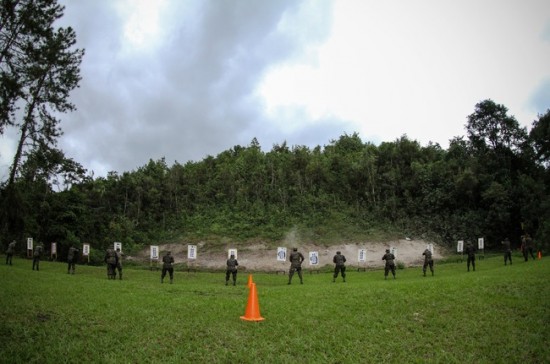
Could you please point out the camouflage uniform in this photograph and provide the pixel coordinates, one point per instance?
(71, 259)
(340, 267)
(167, 261)
(530, 247)
(119, 262)
(232, 264)
(507, 251)
(296, 259)
(36, 256)
(471, 252)
(390, 264)
(428, 261)
(9, 252)
(111, 261)
(524, 250)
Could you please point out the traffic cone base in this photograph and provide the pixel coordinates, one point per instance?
(539, 255)
(252, 312)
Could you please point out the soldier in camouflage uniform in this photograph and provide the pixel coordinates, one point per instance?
(340, 267)
(36, 255)
(232, 264)
(167, 262)
(507, 251)
(471, 252)
(71, 259)
(119, 262)
(296, 259)
(428, 261)
(529, 247)
(9, 252)
(390, 264)
(111, 261)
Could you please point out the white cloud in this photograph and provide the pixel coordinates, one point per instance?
(415, 68)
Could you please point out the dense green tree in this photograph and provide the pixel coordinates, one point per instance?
(540, 138)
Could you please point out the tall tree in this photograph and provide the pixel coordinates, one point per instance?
(540, 138)
(491, 127)
(39, 67)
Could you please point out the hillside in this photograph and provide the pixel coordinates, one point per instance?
(259, 257)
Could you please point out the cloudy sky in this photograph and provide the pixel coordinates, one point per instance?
(187, 79)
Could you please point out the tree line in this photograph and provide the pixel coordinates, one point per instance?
(492, 183)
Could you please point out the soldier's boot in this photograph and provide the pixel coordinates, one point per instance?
(333, 280)
(227, 282)
(424, 273)
(171, 280)
(432, 273)
(385, 277)
(120, 276)
(162, 280)
(234, 283)
(344, 279)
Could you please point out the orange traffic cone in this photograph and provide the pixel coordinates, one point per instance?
(253, 307)
(539, 255)
(249, 284)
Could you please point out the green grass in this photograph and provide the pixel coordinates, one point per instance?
(497, 314)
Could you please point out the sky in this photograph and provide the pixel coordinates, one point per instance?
(187, 79)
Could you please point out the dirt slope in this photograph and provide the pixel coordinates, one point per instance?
(260, 258)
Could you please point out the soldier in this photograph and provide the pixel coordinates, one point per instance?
(71, 259)
(36, 255)
(340, 267)
(10, 252)
(428, 261)
(507, 251)
(530, 247)
(471, 252)
(119, 262)
(296, 259)
(111, 261)
(232, 264)
(390, 264)
(167, 261)
(523, 247)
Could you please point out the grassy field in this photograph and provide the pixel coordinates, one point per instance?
(498, 314)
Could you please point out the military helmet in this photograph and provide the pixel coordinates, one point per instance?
(387, 250)
(338, 252)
